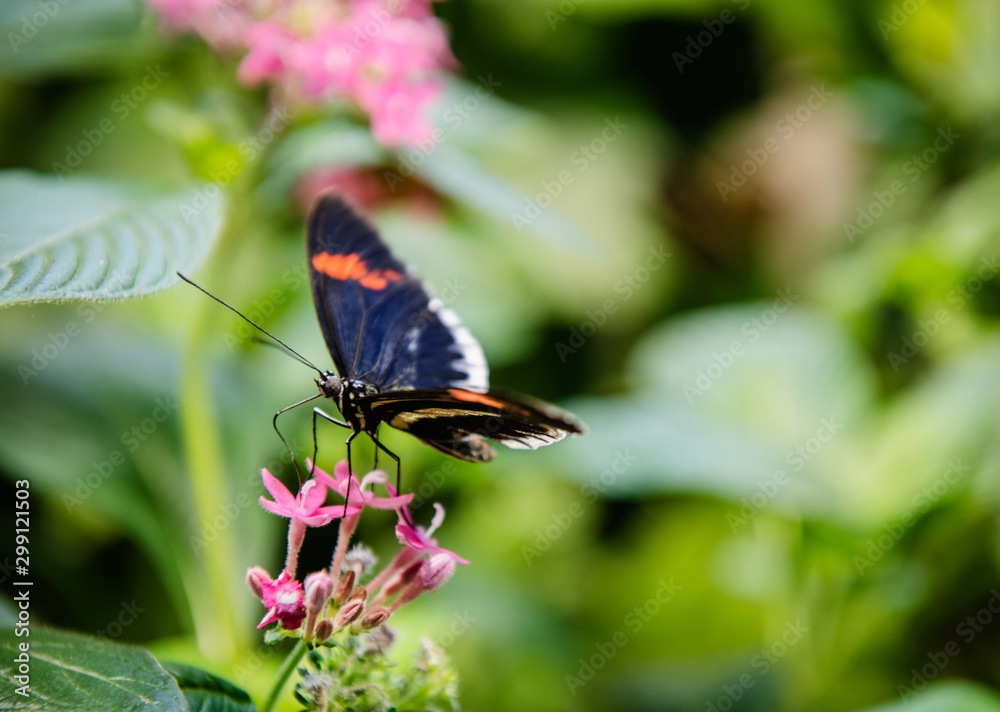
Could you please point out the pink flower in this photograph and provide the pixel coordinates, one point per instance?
(420, 539)
(397, 113)
(283, 600)
(385, 58)
(221, 22)
(361, 494)
(305, 506)
(270, 48)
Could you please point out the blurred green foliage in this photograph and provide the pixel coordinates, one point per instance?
(778, 317)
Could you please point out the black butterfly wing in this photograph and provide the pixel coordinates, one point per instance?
(379, 322)
(457, 422)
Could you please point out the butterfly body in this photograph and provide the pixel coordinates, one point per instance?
(402, 357)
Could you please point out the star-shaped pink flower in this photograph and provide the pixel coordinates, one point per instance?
(306, 506)
(420, 539)
(284, 602)
(361, 494)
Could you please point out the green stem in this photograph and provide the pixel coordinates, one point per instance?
(285, 672)
(215, 618)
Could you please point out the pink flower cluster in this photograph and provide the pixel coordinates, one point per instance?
(384, 56)
(332, 599)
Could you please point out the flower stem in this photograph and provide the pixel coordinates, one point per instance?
(211, 587)
(347, 526)
(296, 533)
(285, 672)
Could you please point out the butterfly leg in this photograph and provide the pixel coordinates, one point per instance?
(274, 424)
(379, 446)
(350, 470)
(320, 413)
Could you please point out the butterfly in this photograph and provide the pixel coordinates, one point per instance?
(402, 357)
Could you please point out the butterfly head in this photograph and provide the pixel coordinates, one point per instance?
(330, 385)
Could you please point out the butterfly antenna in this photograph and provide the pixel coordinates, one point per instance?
(293, 352)
(265, 342)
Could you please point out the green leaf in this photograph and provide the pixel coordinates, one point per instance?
(60, 37)
(207, 693)
(328, 145)
(464, 180)
(945, 697)
(67, 671)
(89, 238)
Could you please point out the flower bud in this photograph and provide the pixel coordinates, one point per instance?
(349, 613)
(257, 578)
(436, 573)
(318, 587)
(375, 617)
(324, 629)
(344, 587)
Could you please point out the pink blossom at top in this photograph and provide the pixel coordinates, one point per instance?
(284, 602)
(270, 45)
(305, 506)
(361, 493)
(384, 56)
(420, 539)
(221, 22)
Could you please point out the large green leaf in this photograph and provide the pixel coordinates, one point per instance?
(88, 238)
(944, 697)
(67, 671)
(206, 692)
(59, 37)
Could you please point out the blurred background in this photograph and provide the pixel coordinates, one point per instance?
(753, 244)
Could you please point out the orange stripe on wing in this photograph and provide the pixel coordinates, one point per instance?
(351, 267)
(471, 397)
(379, 278)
